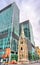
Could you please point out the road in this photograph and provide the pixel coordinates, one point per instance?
(35, 64)
(31, 64)
(22, 64)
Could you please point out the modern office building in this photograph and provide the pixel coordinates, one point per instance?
(9, 28)
(28, 34)
(27, 30)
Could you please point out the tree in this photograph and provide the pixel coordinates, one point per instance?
(14, 57)
(29, 55)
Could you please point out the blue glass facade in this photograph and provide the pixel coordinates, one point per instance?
(4, 41)
(27, 30)
(5, 18)
(25, 25)
(9, 15)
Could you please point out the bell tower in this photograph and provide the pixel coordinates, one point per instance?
(22, 48)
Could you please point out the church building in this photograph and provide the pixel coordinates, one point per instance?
(22, 48)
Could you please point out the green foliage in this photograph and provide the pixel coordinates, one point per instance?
(29, 55)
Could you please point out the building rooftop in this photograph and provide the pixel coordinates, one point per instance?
(27, 21)
(4, 4)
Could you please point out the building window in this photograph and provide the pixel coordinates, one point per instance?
(21, 48)
(22, 42)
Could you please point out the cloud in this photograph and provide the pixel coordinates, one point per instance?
(30, 9)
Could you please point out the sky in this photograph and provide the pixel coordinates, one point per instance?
(29, 9)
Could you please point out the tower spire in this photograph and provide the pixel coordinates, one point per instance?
(22, 31)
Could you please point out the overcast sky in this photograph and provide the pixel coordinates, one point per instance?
(29, 9)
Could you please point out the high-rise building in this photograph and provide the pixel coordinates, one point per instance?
(9, 28)
(28, 33)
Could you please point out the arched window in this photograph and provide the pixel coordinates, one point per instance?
(21, 42)
(21, 48)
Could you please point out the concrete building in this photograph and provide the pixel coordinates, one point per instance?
(9, 29)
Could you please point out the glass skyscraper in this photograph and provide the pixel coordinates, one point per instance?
(28, 33)
(9, 27)
(27, 30)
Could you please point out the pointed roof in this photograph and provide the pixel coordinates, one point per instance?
(22, 32)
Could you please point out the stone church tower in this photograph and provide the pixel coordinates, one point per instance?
(22, 48)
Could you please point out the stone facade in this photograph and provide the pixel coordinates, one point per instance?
(22, 48)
